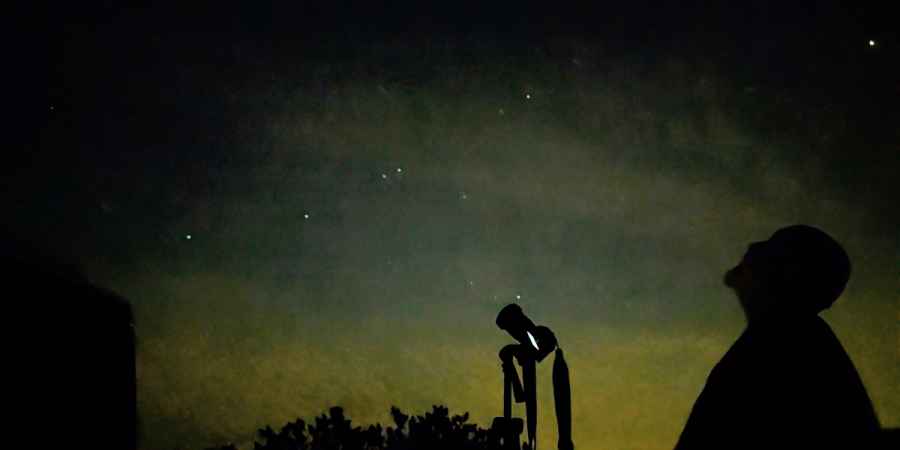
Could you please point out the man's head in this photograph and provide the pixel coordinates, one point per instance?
(800, 269)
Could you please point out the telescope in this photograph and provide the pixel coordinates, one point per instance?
(534, 344)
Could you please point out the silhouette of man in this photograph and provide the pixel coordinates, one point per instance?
(787, 381)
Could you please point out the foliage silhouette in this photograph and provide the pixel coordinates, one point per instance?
(435, 430)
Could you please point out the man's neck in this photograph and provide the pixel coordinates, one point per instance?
(780, 318)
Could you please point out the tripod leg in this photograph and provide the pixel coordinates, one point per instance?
(529, 377)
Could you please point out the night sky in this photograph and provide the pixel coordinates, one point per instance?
(310, 207)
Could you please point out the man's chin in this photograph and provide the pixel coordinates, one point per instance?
(730, 278)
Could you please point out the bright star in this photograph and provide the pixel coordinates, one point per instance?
(518, 297)
(528, 96)
(306, 215)
(399, 170)
(384, 176)
(871, 42)
(188, 237)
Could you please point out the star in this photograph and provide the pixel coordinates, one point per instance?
(871, 42)
(384, 176)
(463, 196)
(306, 215)
(399, 170)
(188, 237)
(518, 297)
(528, 96)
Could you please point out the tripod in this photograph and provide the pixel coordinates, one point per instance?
(509, 428)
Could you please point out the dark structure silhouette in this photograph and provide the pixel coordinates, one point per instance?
(787, 381)
(74, 353)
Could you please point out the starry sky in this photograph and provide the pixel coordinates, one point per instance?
(309, 208)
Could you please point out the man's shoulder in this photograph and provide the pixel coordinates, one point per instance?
(783, 350)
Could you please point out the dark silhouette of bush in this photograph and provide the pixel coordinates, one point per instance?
(436, 430)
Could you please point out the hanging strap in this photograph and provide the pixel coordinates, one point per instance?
(562, 399)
